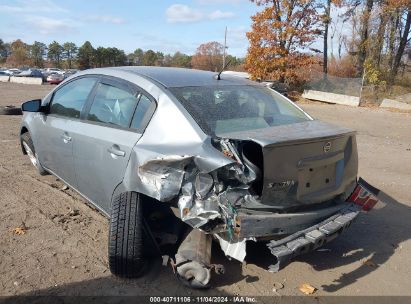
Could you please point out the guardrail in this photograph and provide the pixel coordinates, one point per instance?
(26, 80)
(389, 103)
(4, 78)
(332, 98)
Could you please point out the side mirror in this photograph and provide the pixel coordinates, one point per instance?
(32, 106)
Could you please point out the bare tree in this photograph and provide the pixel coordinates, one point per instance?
(362, 53)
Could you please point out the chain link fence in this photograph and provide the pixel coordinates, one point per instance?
(333, 84)
(357, 87)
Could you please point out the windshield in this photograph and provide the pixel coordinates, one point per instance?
(226, 109)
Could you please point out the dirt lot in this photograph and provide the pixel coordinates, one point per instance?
(64, 253)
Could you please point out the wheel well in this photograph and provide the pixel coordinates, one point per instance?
(22, 131)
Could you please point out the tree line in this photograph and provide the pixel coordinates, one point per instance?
(372, 37)
(209, 56)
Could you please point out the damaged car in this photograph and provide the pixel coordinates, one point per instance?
(179, 158)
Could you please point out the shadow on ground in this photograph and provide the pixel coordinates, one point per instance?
(375, 236)
(159, 281)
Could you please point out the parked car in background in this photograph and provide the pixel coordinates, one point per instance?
(49, 71)
(29, 73)
(55, 78)
(70, 72)
(13, 72)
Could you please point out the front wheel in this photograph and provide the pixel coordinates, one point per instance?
(28, 147)
(125, 250)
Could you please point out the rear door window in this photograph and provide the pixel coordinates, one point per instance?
(112, 105)
(144, 108)
(69, 100)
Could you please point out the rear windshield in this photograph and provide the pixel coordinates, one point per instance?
(226, 109)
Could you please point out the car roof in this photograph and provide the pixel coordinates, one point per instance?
(177, 77)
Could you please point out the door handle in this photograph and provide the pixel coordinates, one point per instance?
(66, 138)
(115, 150)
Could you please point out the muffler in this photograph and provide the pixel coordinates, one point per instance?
(193, 259)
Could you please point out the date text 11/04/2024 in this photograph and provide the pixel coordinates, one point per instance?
(204, 299)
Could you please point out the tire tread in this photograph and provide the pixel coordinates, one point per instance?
(126, 236)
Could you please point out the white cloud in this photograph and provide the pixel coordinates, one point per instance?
(220, 15)
(183, 13)
(46, 25)
(104, 19)
(32, 6)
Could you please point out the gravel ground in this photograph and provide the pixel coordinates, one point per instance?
(64, 250)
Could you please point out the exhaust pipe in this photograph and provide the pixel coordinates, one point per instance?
(193, 259)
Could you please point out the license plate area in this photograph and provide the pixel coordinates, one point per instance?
(316, 178)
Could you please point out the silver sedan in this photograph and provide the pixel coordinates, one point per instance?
(178, 157)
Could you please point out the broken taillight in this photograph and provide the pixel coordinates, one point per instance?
(364, 195)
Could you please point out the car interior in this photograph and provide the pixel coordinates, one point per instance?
(112, 105)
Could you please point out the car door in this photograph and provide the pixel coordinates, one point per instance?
(106, 138)
(56, 140)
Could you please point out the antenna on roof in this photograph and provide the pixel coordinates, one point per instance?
(222, 70)
(225, 46)
(224, 55)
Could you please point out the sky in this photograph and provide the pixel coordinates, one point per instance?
(167, 26)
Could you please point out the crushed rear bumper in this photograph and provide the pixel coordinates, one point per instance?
(364, 197)
(311, 238)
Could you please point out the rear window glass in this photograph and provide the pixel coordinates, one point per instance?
(225, 109)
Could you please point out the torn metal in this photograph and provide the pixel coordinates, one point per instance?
(164, 176)
(214, 197)
(234, 249)
(207, 200)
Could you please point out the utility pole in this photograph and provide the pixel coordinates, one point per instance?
(225, 46)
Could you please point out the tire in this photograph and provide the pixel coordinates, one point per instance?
(125, 249)
(10, 110)
(28, 148)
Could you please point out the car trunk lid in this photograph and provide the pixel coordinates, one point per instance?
(303, 163)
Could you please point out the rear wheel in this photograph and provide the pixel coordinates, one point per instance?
(125, 250)
(28, 147)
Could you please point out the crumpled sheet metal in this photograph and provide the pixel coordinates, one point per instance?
(163, 177)
(236, 250)
(194, 211)
(199, 183)
(203, 195)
